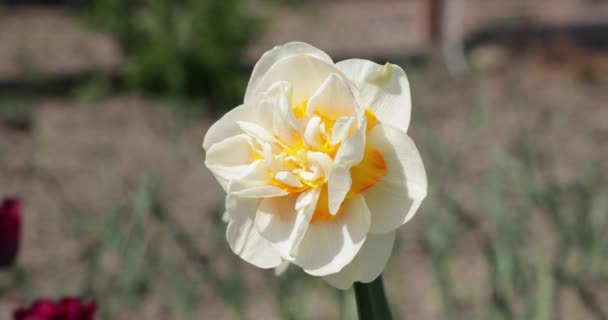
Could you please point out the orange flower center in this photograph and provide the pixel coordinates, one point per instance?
(364, 176)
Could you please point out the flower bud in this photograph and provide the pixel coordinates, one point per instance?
(70, 308)
(10, 231)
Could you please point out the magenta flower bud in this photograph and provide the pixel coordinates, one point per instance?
(10, 231)
(70, 308)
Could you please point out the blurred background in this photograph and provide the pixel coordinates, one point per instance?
(104, 105)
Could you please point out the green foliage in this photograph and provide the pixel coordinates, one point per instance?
(16, 113)
(538, 236)
(180, 48)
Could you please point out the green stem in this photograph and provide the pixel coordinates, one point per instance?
(371, 300)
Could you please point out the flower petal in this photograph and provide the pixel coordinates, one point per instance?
(306, 73)
(264, 113)
(256, 131)
(269, 58)
(238, 208)
(330, 245)
(333, 99)
(351, 150)
(397, 196)
(368, 172)
(384, 89)
(338, 185)
(320, 160)
(247, 243)
(312, 133)
(349, 154)
(274, 112)
(288, 178)
(229, 158)
(227, 127)
(284, 220)
(342, 128)
(368, 264)
(276, 101)
(255, 182)
(243, 236)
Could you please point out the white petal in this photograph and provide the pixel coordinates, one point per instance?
(269, 157)
(352, 148)
(272, 105)
(256, 131)
(226, 126)
(305, 73)
(245, 240)
(274, 113)
(288, 178)
(368, 264)
(338, 185)
(284, 220)
(349, 154)
(310, 176)
(384, 89)
(238, 208)
(255, 182)
(395, 198)
(312, 133)
(229, 158)
(341, 129)
(283, 96)
(333, 99)
(269, 58)
(331, 245)
(243, 236)
(320, 160)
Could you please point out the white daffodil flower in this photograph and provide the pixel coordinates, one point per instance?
(317, 165)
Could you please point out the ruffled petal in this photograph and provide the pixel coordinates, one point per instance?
(398, 195)
(304, 72)
(342, 128)
(245, 240)
(284, 221)
(272, 112)
(384, 89)
(368, 264)
(238, 208)
(229, 158)
(256, 131)
(331, 245)
(338, 185)
(254, 182)
(333, 99)
(269, 58)
(349, 154)
(227, 127)
(312, 133)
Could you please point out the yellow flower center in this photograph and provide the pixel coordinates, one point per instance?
(297, 157)
(299, 111)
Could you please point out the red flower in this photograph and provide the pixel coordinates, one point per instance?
(10, 231)
(67, 309)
